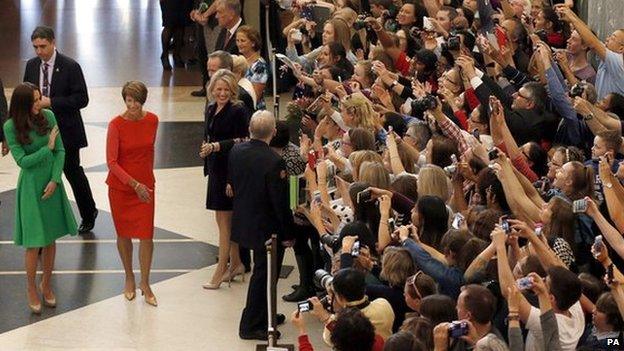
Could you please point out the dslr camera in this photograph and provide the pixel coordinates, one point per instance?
(453, 43)
(577, 90)
(458, 329)
(360, 22)
(427, 102)
(322, 279)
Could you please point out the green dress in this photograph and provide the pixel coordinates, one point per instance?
(38, 222)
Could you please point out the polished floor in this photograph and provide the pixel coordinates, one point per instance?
(115, 41)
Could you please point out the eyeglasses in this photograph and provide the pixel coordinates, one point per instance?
(522, 96)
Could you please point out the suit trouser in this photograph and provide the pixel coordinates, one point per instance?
(79, 183)
(254, 315)
(202, 53)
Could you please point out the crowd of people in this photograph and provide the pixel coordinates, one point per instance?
(462, 164)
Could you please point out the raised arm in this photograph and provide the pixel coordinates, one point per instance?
(614, 194)
(587, 36)
(613, 237)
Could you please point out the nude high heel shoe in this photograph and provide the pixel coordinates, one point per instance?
(150, 300)
(47, 302)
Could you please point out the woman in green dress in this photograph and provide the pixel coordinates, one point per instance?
(43, 213)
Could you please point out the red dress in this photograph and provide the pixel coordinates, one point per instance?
(130, 155)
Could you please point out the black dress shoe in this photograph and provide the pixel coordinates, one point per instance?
(199, 93)
(301, 293)
(87, 224)
(258, 335)
(280, 318)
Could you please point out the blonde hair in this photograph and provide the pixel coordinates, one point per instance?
(135, 89)
(358, 157)
(397, 265)
(361, 108)
(375, 174)
(226, 76)
(432, 180)
(342, 33)
(239, 65)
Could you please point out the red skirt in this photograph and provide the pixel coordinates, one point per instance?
(132, 218)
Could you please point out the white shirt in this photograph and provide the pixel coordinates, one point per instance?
(50, 63)
(233, 29)
(570, 329)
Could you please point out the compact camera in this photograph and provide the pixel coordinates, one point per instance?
(579, 206)
(458, 329)
(525, 283)
(428, 102)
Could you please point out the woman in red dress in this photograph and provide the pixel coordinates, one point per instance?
(130, 158)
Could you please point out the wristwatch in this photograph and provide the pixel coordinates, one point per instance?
(589, 116)
(394, 84)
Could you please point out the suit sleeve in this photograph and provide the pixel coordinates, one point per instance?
(78, 96)
(240, 117)
(58, 153)
(3, 110)
(277, 186)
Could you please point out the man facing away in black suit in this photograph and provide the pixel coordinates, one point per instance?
(259, 181)
(229, 18)
(64, 91)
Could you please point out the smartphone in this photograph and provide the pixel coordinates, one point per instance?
(312, 159)
(305, 306)
(355, 250)
(525, 283)
(391, 225)
(363, 196)
(610, 276)
(453, 158)
(458, 220)
(598, 243)
(316, 196)
(427, 25)
(506, 227)
(493, 154)
(476, 134)
(579, 206)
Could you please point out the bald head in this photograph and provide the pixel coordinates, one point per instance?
(262, 126)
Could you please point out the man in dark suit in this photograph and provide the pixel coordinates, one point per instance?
(64, 91)
(229, 18)
(259, 181)
(4, 112)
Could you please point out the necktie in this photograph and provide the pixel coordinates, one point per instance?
(228, 35)
(45, 90)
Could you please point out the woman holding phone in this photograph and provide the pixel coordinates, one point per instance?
(43, 213)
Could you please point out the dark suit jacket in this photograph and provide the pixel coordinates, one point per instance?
(231, 44)
(68, 94)
(524, 125)
(260, 183)
(4, 112)
(244, 96)
(231, 122)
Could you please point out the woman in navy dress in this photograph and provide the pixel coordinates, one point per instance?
(226, 122)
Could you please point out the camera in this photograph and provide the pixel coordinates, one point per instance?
(355, 251)
(307, 306)
(458, 329)
(542, 184)
(363, 196)
(543, 36)
(598, 243)
(458, 220)
(428, 102)
(493, 154)
(453, 43)
(450, 170)
(322, 279)
(577, 90)
(331, 241)
(505, 226)
(360, 22)
(579, 206)
(525, 283)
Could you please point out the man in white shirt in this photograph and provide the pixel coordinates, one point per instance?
(610, 75)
